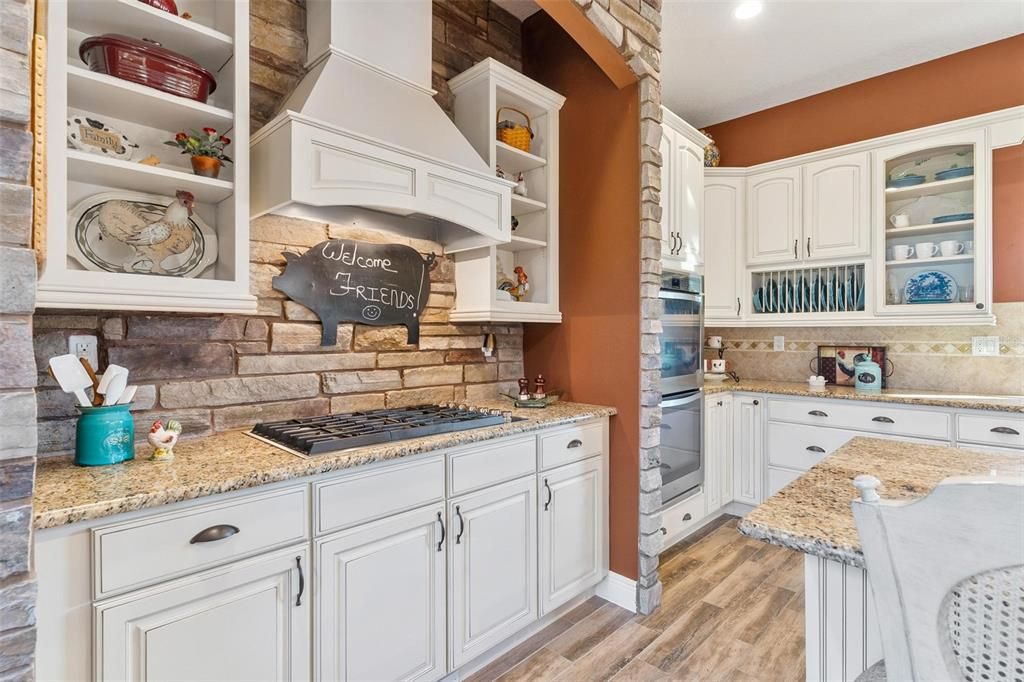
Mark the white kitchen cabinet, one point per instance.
(773, 216)
(682, 193)
(748, 449)
(492, 541)
(723, 232)
(837, 207)
(573, 530)
(246, 621)
(718, 455)
(381, 599)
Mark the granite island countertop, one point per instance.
(903, 396)
(813, 513)
(65, 493)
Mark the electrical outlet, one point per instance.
(85, 346)
(780, 343)
(984, 345)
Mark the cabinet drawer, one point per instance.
(136, 553)
(348, 500)
(800, 447)
(571, 445)
(681, 518)
(871, 417)
(1004, 430)
(478, 467)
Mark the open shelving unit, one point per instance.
(923, 204)
(479, 93)
(217, 37)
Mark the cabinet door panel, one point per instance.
(668, 199)
(748, 450)
(573, 531)
(723, 218)
(773, 216)
(837, 206)
(713, 468)
(238, 622)
(493, 579)
(688, 192)
(381, 600)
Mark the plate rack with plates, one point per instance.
(824, 289)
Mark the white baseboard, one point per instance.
(740, 509)
(619, 590)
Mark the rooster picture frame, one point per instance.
(119, 248)
(835, 363)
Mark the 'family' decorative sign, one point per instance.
(346, 281)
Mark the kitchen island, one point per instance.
(813, 515)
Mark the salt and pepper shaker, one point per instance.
(538, 387)
(524, 388)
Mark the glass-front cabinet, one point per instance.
(932, 225)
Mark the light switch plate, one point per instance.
(85, 346)
(984, 345)
(780, 343)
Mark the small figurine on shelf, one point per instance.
(523, 284)
(163, 440)
(498, 172)
(524, 388)
(515, 223)
(520, 187)
(538, 387)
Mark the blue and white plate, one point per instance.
(953, 217)
(906, 181)
(931, 286)
(951, 173)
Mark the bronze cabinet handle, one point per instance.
(664, 531)
(687, 516)
(547, 504)
(882, 420)
(1005, 429)
(737, 306)
(441, 541)
(462, 526)
(575, 443)
(817, 413)
(221, 531)
(815, 448)
(796, 245)
(302, 581)
(808, 247)
(757, 402)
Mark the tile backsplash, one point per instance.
(933, 358)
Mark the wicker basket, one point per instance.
(514, 135)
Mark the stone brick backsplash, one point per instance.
(220, 372)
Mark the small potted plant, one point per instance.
(205, 148)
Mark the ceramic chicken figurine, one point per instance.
(523, 284)
(163, 439)
(154, 242)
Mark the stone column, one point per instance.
(634, 27)
(17, 365)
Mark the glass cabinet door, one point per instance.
(931, 221)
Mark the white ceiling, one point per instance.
(716, 68)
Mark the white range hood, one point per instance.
(362, 129)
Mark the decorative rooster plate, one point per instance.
(141, 233)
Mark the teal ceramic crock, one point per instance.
(104, 435)
(868, 376)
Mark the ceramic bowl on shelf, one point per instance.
(906, 181)
(955, 172)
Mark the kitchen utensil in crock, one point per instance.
(108, 375)
(97, 399)
(115, 388)
(71, 376)
(128, 395)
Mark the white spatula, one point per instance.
(108, 374)
(71, 376)
(126, 397)
(115, 388)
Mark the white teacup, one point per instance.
(900, 220)
(969, 247)
(718, 366)
(902, 252)
(714, 342)
(925, 250)
(951, 248)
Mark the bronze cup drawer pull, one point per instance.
(575, 443)
(883, 420)
(1005, 429)
(815, 448)
(302, 581)
(817, 413)
(221, 531)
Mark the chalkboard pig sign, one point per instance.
(347, 281)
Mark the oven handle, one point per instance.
(679, 402)
(679, 295)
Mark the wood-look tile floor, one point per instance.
(732, 610)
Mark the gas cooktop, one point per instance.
(318, 435)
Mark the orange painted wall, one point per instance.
(593, 356)
(975, 81)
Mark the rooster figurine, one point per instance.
(163, 439)
(152, 242)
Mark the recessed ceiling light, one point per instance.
(748, 9)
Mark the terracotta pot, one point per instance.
(207, 166)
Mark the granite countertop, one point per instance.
(904, 396)
(813, 514)
(66, 493)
